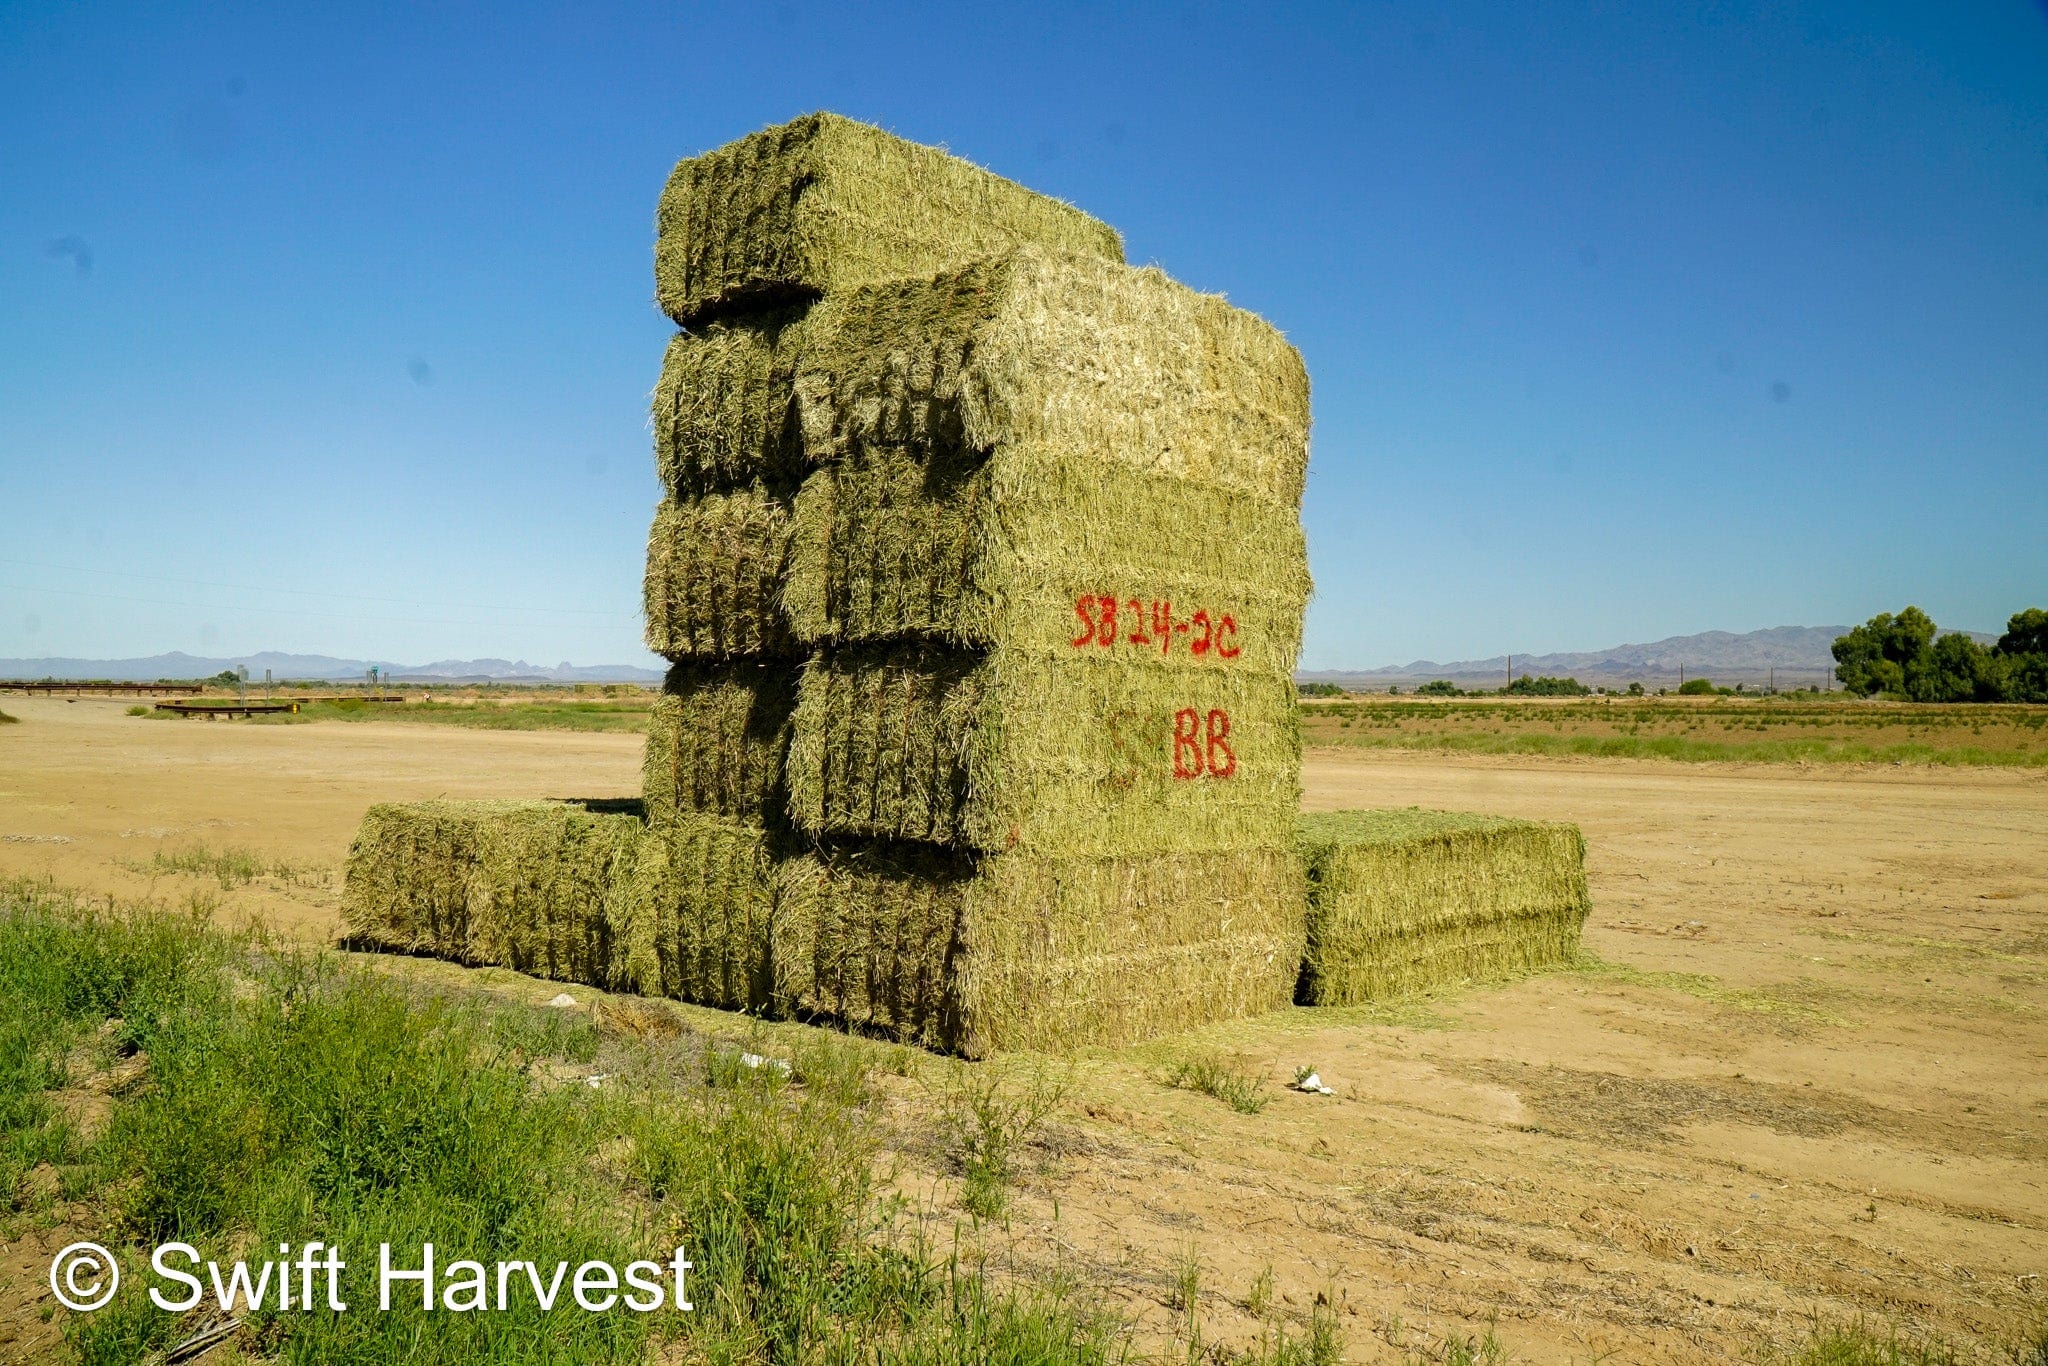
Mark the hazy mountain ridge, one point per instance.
(178, 664)
(1802, 654)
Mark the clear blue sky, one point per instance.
(1623, 321)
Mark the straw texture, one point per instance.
(1406, 900)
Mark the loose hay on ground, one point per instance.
(1017, 951)
(1406, 900)
(823, 203)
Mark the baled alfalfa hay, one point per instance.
(696, 902)
(724, 410)
(1407, 900)
(714, 576)
(823, 203)
(1086, 757)
(1020, 447)
(523, 885)
(1016, 951)
(717, 740)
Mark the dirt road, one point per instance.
(1807, 1078)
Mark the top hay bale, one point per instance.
(1006, 447)
(823, 203)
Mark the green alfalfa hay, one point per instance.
(715, 567)
(523, 885)
(823, 203)
(694, 912)
(1085, 756)
(1014, 951)
(865, 935)
(1020, 548)
(717, 741)
(1099, 363)
(724, 409)
(408, 877)
(1408, 900)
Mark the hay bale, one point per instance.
(714, 576)
(1406, 900)
(1085, 359)
(1085, 757)
(724, 410)
(823, 203)
(523, 885)
(694, 913)
(1024, 548)
(1018, 951)
(716, 742)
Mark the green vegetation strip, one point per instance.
(277, 1100)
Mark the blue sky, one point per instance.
(329, 329)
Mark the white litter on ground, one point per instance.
(564, 1001)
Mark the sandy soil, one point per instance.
(1811, 1081)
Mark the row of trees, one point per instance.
(1906, 656)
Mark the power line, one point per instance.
(283, 611)
(308, 593)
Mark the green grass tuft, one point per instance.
(1228, 1079)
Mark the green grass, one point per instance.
(289, 1098)
(985, 1123)
(1221, 1076)
(629, 716)
(489, 713)
(1724, 730)
(232, 867)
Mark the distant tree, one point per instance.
(1319, 690)
(227, 678)
(1873, 658)
(1635, 690)
(2023, 655)
(1956, 669)
(1440, 687)
(1697, 687)
(1546, 686)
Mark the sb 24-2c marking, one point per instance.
(1102, 625)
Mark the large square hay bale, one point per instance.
(696, 904)
(823, 203)
(1087, 757)
(1406, 900)
(724, 410)
(1008, 443)
(714, 576)
(1019, 951)
(717, 740)
(523, 885)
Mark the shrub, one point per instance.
(1697, 687)
(1440, 687)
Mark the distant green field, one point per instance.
(485, 713)
(1709, 730)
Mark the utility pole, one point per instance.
(1681, 678)
(1774, 678)
(1508, 679)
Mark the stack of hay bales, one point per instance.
(754, 239)
(980, 569)
(1406, 900)
(1052, 565)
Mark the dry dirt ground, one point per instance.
(1805, 1080)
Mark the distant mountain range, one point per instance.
(324, 668)
(1799, 654)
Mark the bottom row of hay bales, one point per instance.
(968, 955)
